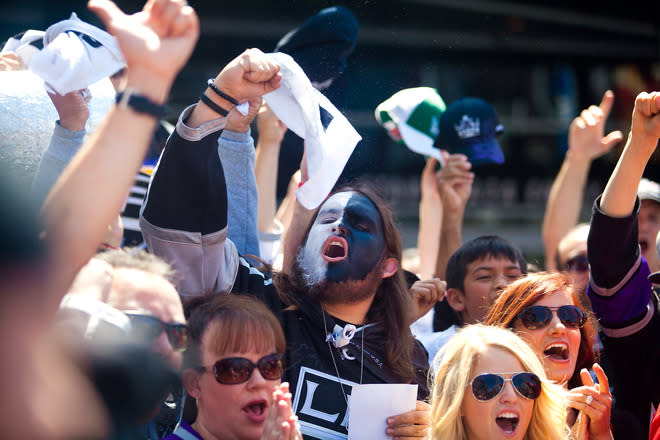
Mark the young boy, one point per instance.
(476, 273)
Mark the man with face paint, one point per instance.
(345, 243)
(341, 297)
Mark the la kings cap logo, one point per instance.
(468, 127)
(319, 404)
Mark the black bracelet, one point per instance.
(140, 103)
(212, 105)
(219, 92)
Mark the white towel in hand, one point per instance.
(329, 137)
(75, 55)
(25, 45)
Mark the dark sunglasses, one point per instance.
(537, 317)
(148, 328)
(579, 263)
(232, 371)
(488, 386)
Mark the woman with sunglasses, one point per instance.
(490, 385)
(544, 310)
(232, 373)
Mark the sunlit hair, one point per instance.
(454, 370)
(391, 304)
(239, 323)
(526, 292)
(139, 259)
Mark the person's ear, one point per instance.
(456, 299)
(191, 382)
(390, 267)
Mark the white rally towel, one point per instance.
(75, 55)
(26, 45)
(329, 137)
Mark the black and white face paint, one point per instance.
(345, 242)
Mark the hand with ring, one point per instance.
(594, 401)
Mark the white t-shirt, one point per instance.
(433, 342)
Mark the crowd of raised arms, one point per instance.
(231, 317)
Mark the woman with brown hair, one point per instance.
(233, 373)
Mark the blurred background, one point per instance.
(538, 62)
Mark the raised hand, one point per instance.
(271, 129)
(455, 183)
(240, 123)
(249, 75)
(646, 117)
(281, 423)
(586, 134)
(11, 61)
(594, 401)
(425, 293)
(428, 182)
(620, 193)
(156, 42)
(72, 109)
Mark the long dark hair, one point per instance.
(392, 302)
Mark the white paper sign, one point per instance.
(372, 404)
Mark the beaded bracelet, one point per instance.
(220, 93)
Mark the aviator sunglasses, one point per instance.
(488, 386)
(537, 317)
(148, 328)
(232, 371)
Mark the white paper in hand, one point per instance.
(372, 404)
(329, 137)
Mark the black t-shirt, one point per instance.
(317, 372)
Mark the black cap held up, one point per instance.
(322, 43)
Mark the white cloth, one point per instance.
(329, 138)
(25, 47)
(75, 55)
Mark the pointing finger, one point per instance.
(603, 381)
(606, 103)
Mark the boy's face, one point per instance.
(484, 279)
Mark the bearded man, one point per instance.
(341, 296)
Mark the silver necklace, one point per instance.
(332, 356)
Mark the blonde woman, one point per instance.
(545, 311)
(490, 384)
